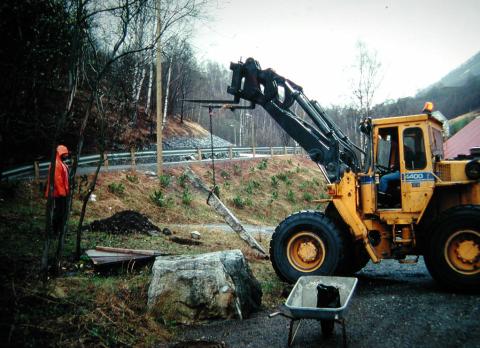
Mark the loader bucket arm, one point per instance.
(325, 143)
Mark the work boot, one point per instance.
(384, 200)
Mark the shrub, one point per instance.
(238, 202)
(187, 197)
(224, 174)
(117, 188)
(165, 180)
(132, 178)
(291, 196)
(274, 195)
(248, 202)
(159, 199)
(263, 164)
(251, 185)
(282, 176)
(182, 180)
(307, 196)
(237, 170)
(274, 181)
(288, 182)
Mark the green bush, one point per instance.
(291, 196)
(187, 197)
(251, 186)
(274, 195)
(132, 178)
(274, 181)
(165, 180)
(182, 180)
(224, 174)
(288, 182)
(307, 196)
(263, 164)
(238, 202)
(117, 188)
(282, 176)
(159, 199)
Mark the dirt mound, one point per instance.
(125, 222)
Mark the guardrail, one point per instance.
(38, 169)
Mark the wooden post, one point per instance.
(105, 161)
(159, 94)
(199, 154)
(230, 152)
(36, 168)
(271, 151)
(132, 155)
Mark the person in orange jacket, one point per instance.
(61, 188)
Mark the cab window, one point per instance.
(414, 148)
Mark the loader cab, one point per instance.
(403, 163)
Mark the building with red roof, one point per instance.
(462, 141)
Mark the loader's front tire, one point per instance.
(452, 254)
(355, 255)
(305, 243)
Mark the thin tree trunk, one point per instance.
(78, 249)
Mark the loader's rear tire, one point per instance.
(452, 253)
(355, 255)
(305, 243)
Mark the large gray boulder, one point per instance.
(192, 288)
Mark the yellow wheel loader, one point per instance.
(392, 198)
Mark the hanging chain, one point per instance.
(214, 188)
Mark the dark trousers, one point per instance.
(59, 214)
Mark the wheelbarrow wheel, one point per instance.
(327, 327)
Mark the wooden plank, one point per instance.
(104, 257)
(129, 251)
(227, 215)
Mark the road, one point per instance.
(394, 305)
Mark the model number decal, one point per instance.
(416, 177)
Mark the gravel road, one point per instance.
(394, 305)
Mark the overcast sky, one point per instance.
(312, 42)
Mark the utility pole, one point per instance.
(159, 95)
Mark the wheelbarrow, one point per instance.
(302, 304)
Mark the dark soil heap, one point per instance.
(125, 222)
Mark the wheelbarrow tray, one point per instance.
(302, 301)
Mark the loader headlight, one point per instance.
(472, 170)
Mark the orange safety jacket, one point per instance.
(61, 186)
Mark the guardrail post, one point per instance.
(253, 151)
(285, 150)
(105, 161)
(132, 155)
(271, 151)
(295, 149)
(199, 154)
(36, 168)
(230, 152)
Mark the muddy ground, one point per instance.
(394, 305)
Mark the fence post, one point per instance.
(253, 151)
(285, 150)
(132, 155)
(295, 149)
(271, 151)
(199, 154)
(230, 152)
(105, 161)
(36, 168)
